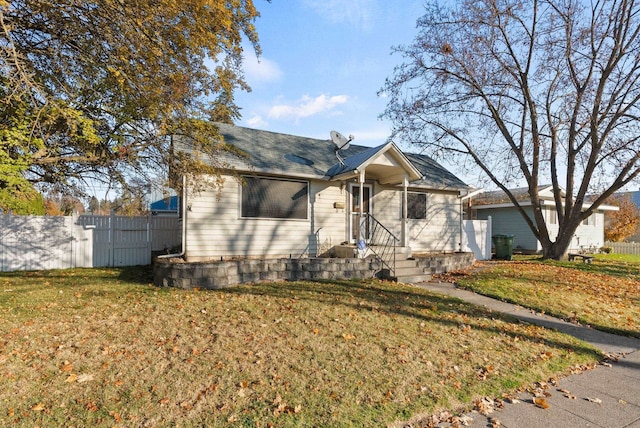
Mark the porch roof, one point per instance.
(386, 163)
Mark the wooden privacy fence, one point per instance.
(624, 247)
(34, 242)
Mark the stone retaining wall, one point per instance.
(443, 263)
(220, 274)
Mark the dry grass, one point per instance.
(604, 294)
(102, 347)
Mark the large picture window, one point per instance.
(273, 198)
(417, 206)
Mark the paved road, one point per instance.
(606, 397)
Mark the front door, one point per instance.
(355, 206)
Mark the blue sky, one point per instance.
(322, 64)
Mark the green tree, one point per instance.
(95, 88)
(528, 91)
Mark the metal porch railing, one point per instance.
(381, 242)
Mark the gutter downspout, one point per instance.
(184, 223)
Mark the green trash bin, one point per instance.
(504, 246)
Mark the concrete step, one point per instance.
(402, 253)
(406, 263)
(412, 279)
(409, 271)
(413, 274)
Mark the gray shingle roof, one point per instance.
(290, 155)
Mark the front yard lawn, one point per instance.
(103, 347)
(604, 294)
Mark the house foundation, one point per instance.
(220, 274)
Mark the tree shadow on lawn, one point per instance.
(612, 268)
(137, 274)
(391, 299)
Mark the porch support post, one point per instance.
(361, 210)
(405, 200)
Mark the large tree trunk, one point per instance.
(556, 251)
(559, 249)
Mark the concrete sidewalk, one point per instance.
(608, 396)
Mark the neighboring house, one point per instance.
(165, 207)
(299, 197)
(507, 220)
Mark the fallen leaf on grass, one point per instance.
(66, 366)
(541, 402)
(116, 416)
(38, 407)
(347, 336)
(92, 406)
(85, 378)
(282, 407)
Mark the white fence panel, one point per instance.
(624, 247)
(476, 238)
(35, 243)
(42, 242)
(101, 238)
(129, 241)
(166, 233)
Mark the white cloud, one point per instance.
(256, 121)
(260, 70)
(353, 12)
(307, 106)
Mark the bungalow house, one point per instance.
(507, 220)
(293, 197)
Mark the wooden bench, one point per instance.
(585, 257)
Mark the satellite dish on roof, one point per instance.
(341, 142)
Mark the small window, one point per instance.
(417, 206)
(553, 216)
(273, 198)
(590, 221)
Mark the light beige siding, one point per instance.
(215, 228)
(386, 208)
(440, 231)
